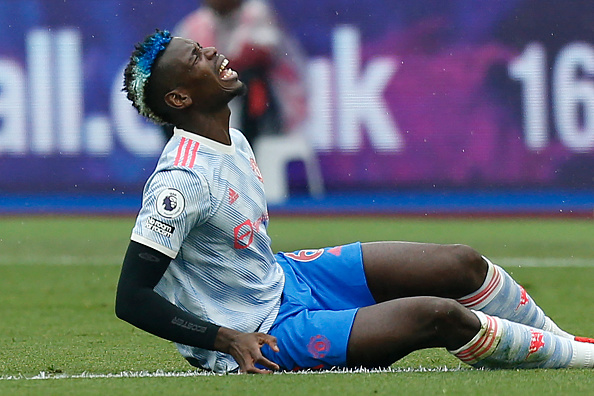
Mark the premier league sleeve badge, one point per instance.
(170, 203)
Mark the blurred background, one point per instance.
(424, 107)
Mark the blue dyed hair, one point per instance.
(139, 70)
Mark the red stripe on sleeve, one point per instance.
(179, 151)
(186, 156)
(194, 151)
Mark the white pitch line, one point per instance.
(61, 260)
(162, 374)
(124, 374)
(546, 262)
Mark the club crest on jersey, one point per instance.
(233, 196)
(170, 203)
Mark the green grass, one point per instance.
(58, 277)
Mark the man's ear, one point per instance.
(178, 99)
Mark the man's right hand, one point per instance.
(246, 349)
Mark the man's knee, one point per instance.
(443, 313)
(450, 323)
(434, 314)
(468, 264)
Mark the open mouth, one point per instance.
(226, 73)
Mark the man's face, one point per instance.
(202, 72)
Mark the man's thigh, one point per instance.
(408, 269)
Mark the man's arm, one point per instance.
(138, 304)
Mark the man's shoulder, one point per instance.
(238, 139)
(236, 134)
(179, 164)
(184, 153)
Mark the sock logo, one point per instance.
(536, 342)
(523, 298)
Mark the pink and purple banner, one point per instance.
(419, 94)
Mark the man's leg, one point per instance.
(383, 333)
(402, 269)
(501, 296)
(504, 344)
(388, 331)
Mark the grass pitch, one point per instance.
(59, 335)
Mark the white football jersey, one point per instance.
(204, 207)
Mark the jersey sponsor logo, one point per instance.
(170, 203)
(318, 346)
(256, 170)
(160, 227)
(186, 153)
(536, 342)
(244, 233)
(233, 196)
(305, 255)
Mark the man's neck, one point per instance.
(211, 126)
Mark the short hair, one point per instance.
(139, 70)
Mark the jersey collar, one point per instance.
(223, 148)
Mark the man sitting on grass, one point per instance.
(200, 271)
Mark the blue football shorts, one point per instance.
(324, 288)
